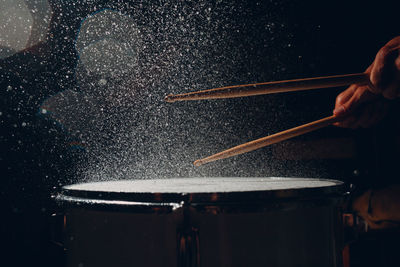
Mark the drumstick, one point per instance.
(272, 87)
(268, 140)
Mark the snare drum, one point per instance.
(204, 222)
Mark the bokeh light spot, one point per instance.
(23, 24)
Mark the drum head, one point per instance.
(203, 190)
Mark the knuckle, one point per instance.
(358, 94)
(376, 79)
(394, 41)
(384, 52)
(397, 63)
(339, 99)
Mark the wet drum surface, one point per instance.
(204, 185)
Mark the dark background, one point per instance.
(325, 37)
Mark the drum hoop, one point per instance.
(116, 205)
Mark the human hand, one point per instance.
(364, 105)
(358, 107)
(385, 70)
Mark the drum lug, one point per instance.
(354, 226)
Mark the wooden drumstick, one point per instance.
(272, 87)
(269, 140)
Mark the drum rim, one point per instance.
(276, 195)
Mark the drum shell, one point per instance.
(289, 232)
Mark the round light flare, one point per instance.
(108, 57)
(108, 45)
(23, 24)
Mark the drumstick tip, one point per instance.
(198, 163)
(169, 98)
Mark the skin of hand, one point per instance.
(365, 105)
(379, 208)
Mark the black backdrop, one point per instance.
(332, 37)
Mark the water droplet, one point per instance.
(102, 82)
